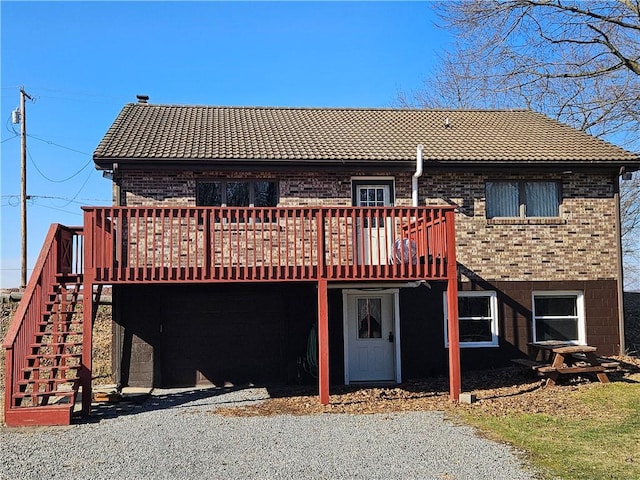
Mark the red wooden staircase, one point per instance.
(44, 344)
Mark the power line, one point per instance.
(59, 198)
(10, 130)
(80, 200)
(56, 208)
(57, 144)
(83, 100)
(84, 97)
(51, 179)
(79, 94)
(79, 190)
(10, 138)
(50, 142)
(68, 200)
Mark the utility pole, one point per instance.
(23, 184)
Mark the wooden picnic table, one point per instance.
(552, 359)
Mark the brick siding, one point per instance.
(580, 244)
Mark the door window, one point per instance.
(369, 318)
(372, 196)
(372, 193)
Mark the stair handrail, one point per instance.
(29, 310)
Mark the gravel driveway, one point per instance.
(174, 434)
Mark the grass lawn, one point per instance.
(599, 439)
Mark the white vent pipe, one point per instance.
(416, 176)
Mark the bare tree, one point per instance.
(576, 61)
(630, 213)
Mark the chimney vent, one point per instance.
(143, 98)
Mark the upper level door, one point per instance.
(374, 235)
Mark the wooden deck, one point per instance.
(202, 244)
(226, 244)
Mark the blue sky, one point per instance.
(82, 61)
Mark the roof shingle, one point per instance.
(171, 132)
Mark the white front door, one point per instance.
(371, 344)
(373, 236)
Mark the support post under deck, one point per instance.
(87, 343)
(455, 380)
(87, 315)
(323, 342)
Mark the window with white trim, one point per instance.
(558, 316)
(477, 319)
(517, 198)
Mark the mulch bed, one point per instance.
(498, 392)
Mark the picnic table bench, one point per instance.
(553, 359)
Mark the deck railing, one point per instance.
(61, 256)
(165, 244)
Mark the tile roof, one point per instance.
(171, 132)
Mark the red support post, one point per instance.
(87, 316)
(10, 383)
(323, 341)
(455, 381)
(87, 346)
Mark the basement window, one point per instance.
(477, 319)
(558, 316)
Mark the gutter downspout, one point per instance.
(620, 268)
(416, 176)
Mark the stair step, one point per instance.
(41, 381)
(45, 323)
(50, 306)
(57, 414)
(57, 363)
(51, 313)
(53, 331)
(69, 277)
(56, 333)
(48, 311)
(53, 356)
(62, 328)
(58, 339)
(50, 319)
(51, 393)
(60, 316)
(55, 299)
(56, 344)
(47, 368)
